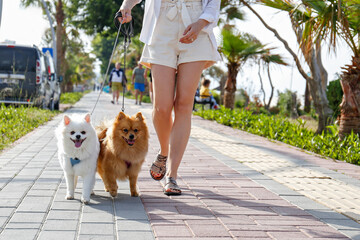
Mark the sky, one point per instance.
(27, 26)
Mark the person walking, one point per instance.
(117, 81)
(139, 82)
(179, 41)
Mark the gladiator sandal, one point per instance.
(171, 187)
(158, 168)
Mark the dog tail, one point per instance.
(101, 131)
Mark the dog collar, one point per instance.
(74, 161)
(128, 164)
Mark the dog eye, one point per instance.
(125, 130)
(83, 132)
(135, 130)
(72, 132)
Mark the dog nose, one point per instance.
(78, 136)
(131, 136)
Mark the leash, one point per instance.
(128, 33)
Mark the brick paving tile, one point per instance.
(249, 234)
(321, 232)
(287, 235)
(197, 238)
(209, 230)
(179, 231)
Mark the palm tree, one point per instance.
(312, 53)
(330, 19)
(268, 58)
(237, 48)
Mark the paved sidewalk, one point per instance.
(235, 186)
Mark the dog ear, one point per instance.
(66, 120)
(87, 118)
(120, 116)
(139, 116)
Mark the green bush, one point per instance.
(16, 122)
(334, 94)
(279, 128)
(71, 97)
(285, 101)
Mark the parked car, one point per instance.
(52, 85)
(25, 77)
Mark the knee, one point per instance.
(183, 107)
(162, 111)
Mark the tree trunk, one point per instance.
(350, 105)
(318, 81)
(307, 100)
(267, 106)
(60, 34)
(222, 89)
(230, 85)
(318, 87)
(262, 85)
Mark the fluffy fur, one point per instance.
(77, 140)
(123, 147)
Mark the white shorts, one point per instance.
(165, 48)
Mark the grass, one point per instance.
(71, 97)
(15, 122)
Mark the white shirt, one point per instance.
(211, 12)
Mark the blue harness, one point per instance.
(74, 161)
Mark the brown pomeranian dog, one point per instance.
(123, 147)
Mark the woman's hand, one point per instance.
(192, 31)
(126, 15)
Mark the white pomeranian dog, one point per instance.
(78, 150)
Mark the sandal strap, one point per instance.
(171, 183)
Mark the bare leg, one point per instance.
(164, 84)
(141, 95)
(136, 96)
(117, 95)
(187, 81)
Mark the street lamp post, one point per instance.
(51, 27)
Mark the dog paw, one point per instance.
(69, 197)
(134, 194)
(85, 201)
(113, 193)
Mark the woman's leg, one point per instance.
(163, 96)
(188, 78)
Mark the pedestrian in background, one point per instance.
(117, 81)
(139, 82)
(179, 41)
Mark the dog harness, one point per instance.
(128, 164)
(74, 161)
